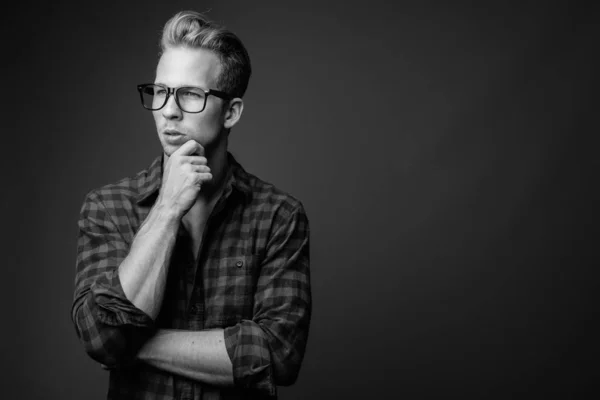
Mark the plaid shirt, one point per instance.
(252, 280)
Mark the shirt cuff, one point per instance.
(114, 308)
(248, 351)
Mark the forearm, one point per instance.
(198, 355)
(143, 273)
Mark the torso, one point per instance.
(195, 222)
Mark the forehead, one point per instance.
(181, 66)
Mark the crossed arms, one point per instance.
(119, 288)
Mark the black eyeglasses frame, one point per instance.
(173, 91)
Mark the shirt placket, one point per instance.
(195, 282)
(184, 388)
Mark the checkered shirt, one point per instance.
(252, 280)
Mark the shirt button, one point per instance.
(239, 263)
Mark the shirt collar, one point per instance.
(150, 180)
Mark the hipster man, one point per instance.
(193, 275)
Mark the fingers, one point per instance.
(199, 168)
(203, 177)
(194, 160)
(199, 173)
(191, 147)
(187, 160)
(191, 152)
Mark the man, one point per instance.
(193, 276)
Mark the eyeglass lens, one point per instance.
(189, 99)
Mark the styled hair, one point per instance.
(193, 30)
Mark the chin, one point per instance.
(169, 149)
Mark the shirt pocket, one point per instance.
(229, 290)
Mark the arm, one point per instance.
(198, 355)
(143, 273)
(108, 325)
(263, 352)
(268, 350)
(119, 289)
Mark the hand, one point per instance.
(183, 176)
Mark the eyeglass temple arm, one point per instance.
(220, 94)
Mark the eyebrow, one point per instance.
(164, 84)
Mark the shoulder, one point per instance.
(126, 188)
(127, 191)
(277, 217)
(270, 200)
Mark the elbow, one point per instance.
(108, 345)
(286, 379)
(263, 356)
(286, 371)
(109, 351)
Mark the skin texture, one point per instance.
(195, 148)
(185, 67)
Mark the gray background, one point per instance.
(445, 154)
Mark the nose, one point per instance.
(171, 110)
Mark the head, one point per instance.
(197, 52)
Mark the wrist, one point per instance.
(167, 213)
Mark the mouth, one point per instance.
(172, 132)
(173, 137)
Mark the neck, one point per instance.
(219, 167)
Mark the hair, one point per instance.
(192, 29)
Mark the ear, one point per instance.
(233, 112)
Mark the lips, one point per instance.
(173, 137)
(172, 132)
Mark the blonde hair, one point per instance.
(192, 29)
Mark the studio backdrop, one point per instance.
(444, 152)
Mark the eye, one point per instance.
(191, 94)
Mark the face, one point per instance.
(189, 67)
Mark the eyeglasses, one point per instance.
(190, 99)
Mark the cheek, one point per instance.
(156, 116)
(209, 121)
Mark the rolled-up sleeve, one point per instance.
(268, 350)
(109, 326)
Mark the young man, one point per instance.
(193, 276)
